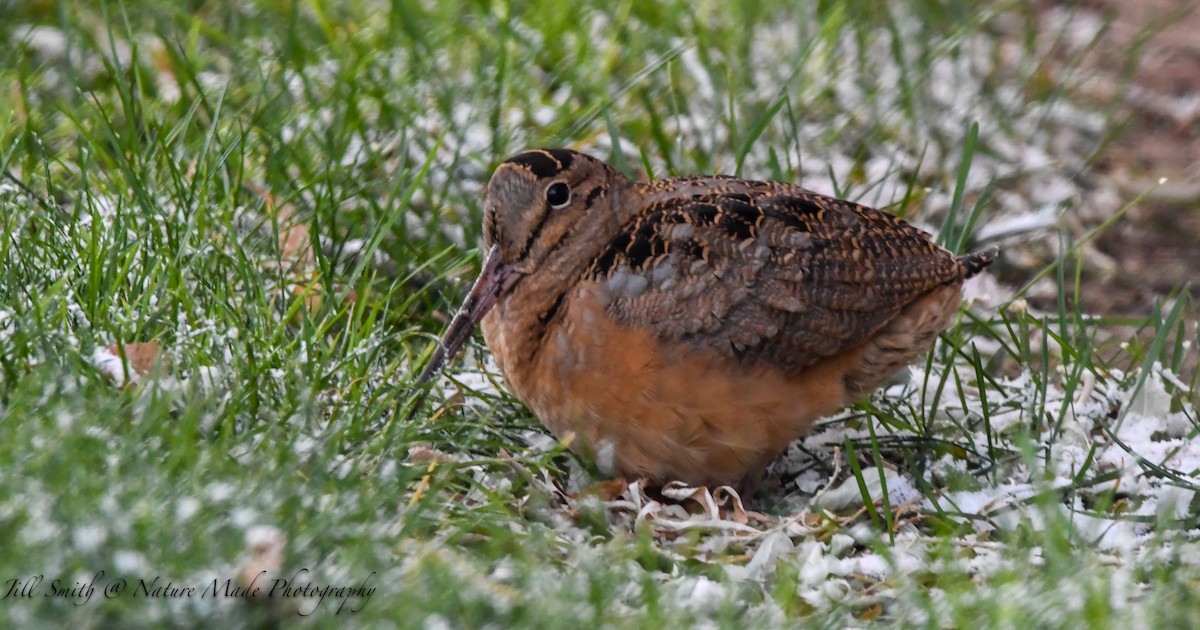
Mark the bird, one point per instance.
(689, 328)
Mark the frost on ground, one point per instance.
(856, 133)
(1112, 455)
(1118, 468)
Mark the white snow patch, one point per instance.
(700, 594)
(89, 538)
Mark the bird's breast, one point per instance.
(641, 406)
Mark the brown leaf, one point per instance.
(126, 364)
(608, 490)
(261, 566)
(726, 496)
(141, 358)
(871, 613)
(264, 558)
(295, 250)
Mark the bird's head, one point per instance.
(549, 211)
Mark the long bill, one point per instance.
(494, 278)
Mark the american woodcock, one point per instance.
(689, 328)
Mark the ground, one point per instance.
(1153, 250)
(232, 232)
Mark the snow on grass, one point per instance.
(997, 479)
(282, 433)
(1043, 488)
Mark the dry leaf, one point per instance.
(295, 248)
(424, 454)
(262, 565)
(727, 495)
(265, 546)
(608, 490)
(141, 357)
(679, 491)
(132, 360)
(871, 614)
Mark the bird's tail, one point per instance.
(972, 264)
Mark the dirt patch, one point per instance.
(1155, 248)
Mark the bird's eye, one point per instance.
(558, 195)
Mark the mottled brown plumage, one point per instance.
(689, 328)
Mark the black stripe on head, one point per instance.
(593, 196)
(564, 157)
(544, 163)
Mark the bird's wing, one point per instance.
(771, 274)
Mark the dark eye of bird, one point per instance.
(558, 195)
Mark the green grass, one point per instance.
(168, 147)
